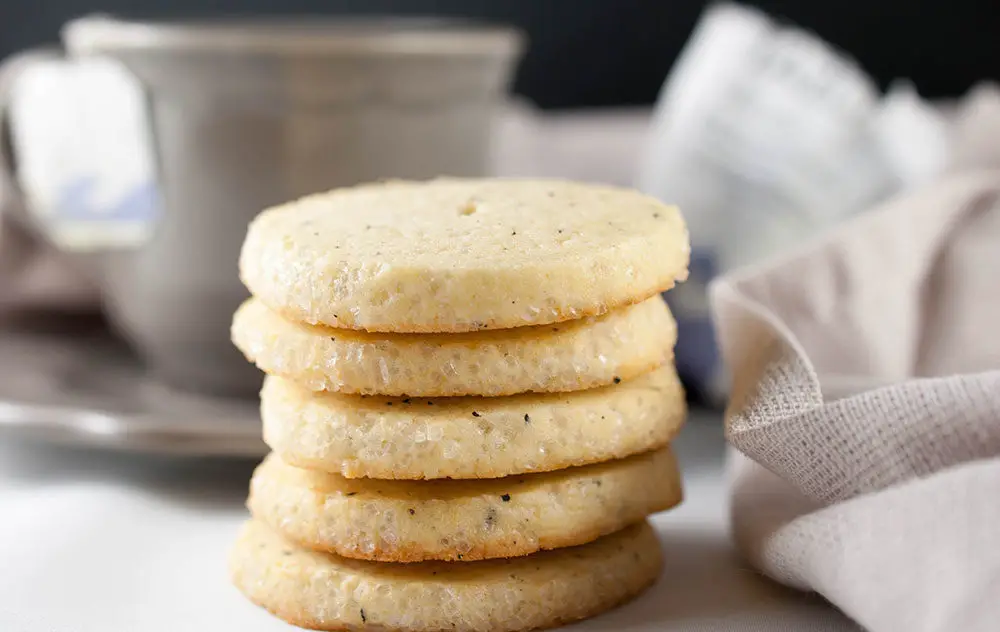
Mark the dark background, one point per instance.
(617, 52)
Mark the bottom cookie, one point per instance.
(321, 591)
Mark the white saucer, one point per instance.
(77, 385)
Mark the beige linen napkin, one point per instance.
(865, 405)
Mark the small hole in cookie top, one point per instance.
(469, 208)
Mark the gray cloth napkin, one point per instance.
(865, 404)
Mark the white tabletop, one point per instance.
(102, 542)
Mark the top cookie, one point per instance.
(452, 255)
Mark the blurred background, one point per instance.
(137, 149)
(597, 53)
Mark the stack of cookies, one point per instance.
(470, 399)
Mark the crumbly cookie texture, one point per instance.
(453, 255)
(326, 592)
(571, 356)
(470, 437)
(461, 520)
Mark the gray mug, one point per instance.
(223, 120)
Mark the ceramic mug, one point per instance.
(148, 147)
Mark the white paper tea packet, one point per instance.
(765, 136)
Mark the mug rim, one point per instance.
(303, 34)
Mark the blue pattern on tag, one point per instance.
(75, 203)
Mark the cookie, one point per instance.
(412, 521)
(567, 356)
(322, 591)
(453, 255)
(470, 437)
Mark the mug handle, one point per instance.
(34, 274)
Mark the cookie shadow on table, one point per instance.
(705, 585)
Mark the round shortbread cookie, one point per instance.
(470, 437)
(452, 255)
(568, 356)
(322, 591)
(412, 521)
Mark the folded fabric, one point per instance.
(865, 410)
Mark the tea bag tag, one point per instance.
(81, 136)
